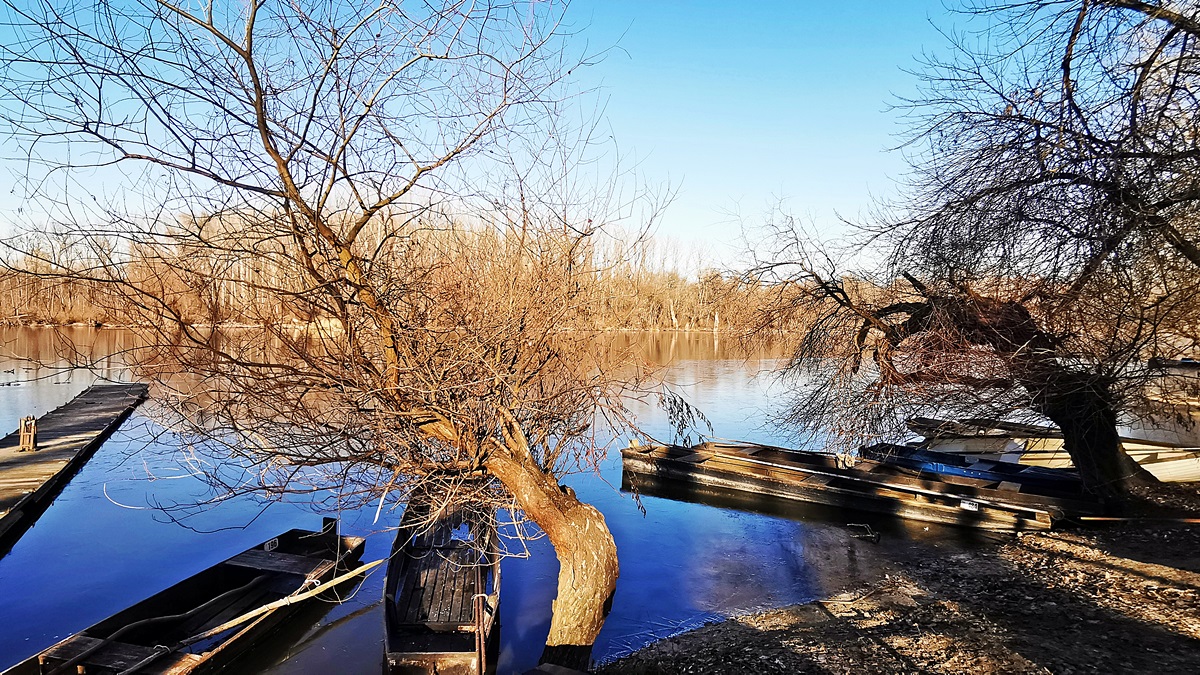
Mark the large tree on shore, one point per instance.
(395, 177)
(1045, 244)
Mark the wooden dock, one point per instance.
(66, 438)
(868, 485)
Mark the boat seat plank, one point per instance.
(404, 590)
(424, 571)
(465, 610)
(418, 609)
(460, 597)
(115, 655)
(460, 588)
(439, 588)
(429, 598)
(449, 582)
(729, 450)
(452, 578)
(446, 593)
(288, 563)
(407, 589)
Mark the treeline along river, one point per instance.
(129, 525)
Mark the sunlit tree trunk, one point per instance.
(587, 556)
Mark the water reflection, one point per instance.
(42, 368)
(99, 548)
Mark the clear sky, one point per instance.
(739, 104)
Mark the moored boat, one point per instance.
(931, 461)
(203, 623)
(1186, 362)
(991, 503)
(1042, 446)
(442, 596)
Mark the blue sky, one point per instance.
(739, 105)
(742, 104)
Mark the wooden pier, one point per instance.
(867, 485)
(66, 438)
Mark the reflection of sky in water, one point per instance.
(682, 563)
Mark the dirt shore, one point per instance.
(1119, 598)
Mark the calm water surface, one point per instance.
(103, 546)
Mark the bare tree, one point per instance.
(385, 192)
(1045, 247)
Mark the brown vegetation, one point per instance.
(632, 289)
(385, 194)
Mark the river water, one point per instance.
(104, 545)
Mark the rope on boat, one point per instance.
(253, 614)
(283, 602)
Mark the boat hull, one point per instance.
(1043, 447)
(293, 562)
(442, 595)
(867, 486)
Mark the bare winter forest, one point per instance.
(645, 285)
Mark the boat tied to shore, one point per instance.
(442, 595)
(1042, 446)
(205, 622)
(998, 497)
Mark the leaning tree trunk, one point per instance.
(587, 555)
(1081, 405)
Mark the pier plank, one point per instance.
(66, 438)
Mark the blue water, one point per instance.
(102, 545)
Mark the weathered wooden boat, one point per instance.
(202, 624)
(442, 596)
(861, 484)
(1037, 445)
(930, 461)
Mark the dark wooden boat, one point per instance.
(859, 484)
(442, 594)
(184, 629)
(928, 461)
(1185, 362)
(974, 427)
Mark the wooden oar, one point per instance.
(253, 614)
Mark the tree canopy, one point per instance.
(1043, 249)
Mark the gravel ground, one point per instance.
(1115, 599)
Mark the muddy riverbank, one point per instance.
(1123, 598)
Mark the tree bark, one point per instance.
(587, 555)
(1080, 404)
